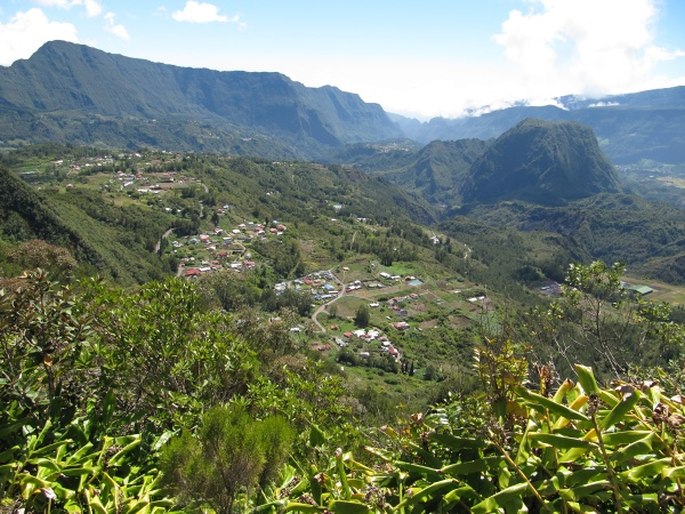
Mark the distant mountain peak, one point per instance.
(545, 162)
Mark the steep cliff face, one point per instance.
(549, 163)
(64, 86)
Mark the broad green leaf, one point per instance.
(80, 453)
(641, 447)
(541, 402)
(587, 379)
(624, 437)
(674, 473)
(470, 467)
(416, 494)
(316, 436)
(500, 499)
(620, 411)
(424, 471)
(303, 507)
(562, 442)
(118, 456)
(564, 388)
(650, 469)
(576, 405)
(348, 507)
(83, 470)
(582, 491)
(639, 501)
(464, 492)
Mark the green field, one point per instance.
(671, 293)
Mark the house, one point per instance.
(638, 290)
(401, 325)
(192, 272)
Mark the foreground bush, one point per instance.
(581, 449)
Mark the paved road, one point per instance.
(321, 308)
(164, 236)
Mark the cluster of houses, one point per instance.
(320, 283)
(397, 303)
(324, 285)
(222, 249)
(368, 336)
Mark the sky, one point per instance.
(421, 59)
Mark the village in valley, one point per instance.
(401, 302)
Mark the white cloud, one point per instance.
(115, 28)
(585, 46)
(92, 7)
(27, 31)
(200, 12)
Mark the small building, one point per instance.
(638, 290)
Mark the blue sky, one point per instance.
(428, 58)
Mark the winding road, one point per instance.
(164, 236)
(322, 307)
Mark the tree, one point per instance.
(362, 318)
(231, 454)
(597, 322)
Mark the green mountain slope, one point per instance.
(113, 241)
(435, 171)
(114, 226)
(649, 237)
(440, 169)
(541, 162)
(65, 90)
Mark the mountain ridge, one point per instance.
(77, 81)
(630, 127)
